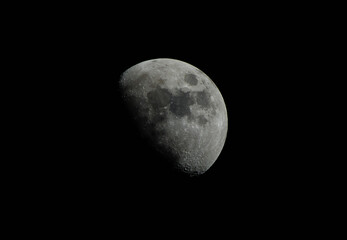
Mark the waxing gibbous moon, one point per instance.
(179, 110)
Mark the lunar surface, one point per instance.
(179, 110)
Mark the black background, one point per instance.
(94, 164)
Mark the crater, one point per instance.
(180, 104)
(202, 120)
(142, 78)
(191, 79)
(159, 98)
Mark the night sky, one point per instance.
(98, 160)
(248, 72)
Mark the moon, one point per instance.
(179, 110)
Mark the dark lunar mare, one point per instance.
(180, 104)
(191, 79)
(159, 98)
(203, 99)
